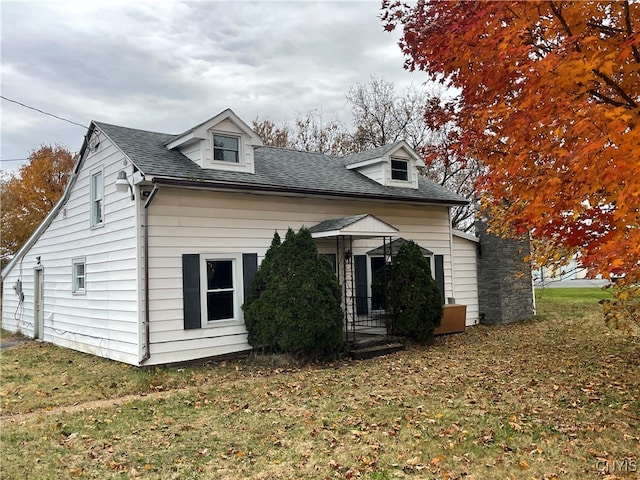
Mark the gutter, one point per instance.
(145, 247)
(178, 182)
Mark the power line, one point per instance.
(42, 111)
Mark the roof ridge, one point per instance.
(380, 147)
(370, 154)
(98, 123)
(299, 151)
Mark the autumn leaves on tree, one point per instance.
(29, 195)
(549, 103)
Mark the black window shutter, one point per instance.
(191, 290)
(439, 260)
(360, 274)
(249, 269)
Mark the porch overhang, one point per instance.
(358, 226)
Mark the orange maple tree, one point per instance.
(550, 103)
(30, 194)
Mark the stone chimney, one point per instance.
(505, 287)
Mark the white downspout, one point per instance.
(145, 247)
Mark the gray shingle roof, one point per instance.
(276, 169)
(336, 223)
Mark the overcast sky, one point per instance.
(167, 66)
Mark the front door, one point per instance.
(360, 281)
(38, 303)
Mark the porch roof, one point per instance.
(363, 226)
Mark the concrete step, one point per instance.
(366, 340)
(361, 352)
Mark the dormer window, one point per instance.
(399, 169)
(394, 165)
(226, 149)
(223, 143)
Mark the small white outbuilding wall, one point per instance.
(465, 274)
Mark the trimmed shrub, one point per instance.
(414, 295)
(260, 321)
(296, 301)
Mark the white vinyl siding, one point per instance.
(375, 172)
(193, 151)
(225, 223)
(104, 320)
(466, 276)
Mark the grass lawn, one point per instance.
(574, 294)
(553, 397)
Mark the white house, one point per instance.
(127, 274)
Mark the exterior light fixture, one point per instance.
(122, 184)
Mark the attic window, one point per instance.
(226, 149)
(399, 170)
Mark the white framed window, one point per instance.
(226, 148)
(221, 287)
(97, 193)
(78, 275)
(399, 169)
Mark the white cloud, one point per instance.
(166, 66)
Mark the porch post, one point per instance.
(388, 260)
(345, 259)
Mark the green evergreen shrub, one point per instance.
(296, 303)
(259, 321)
(414, 295)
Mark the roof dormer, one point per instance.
(394, 165)
(223, 142)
